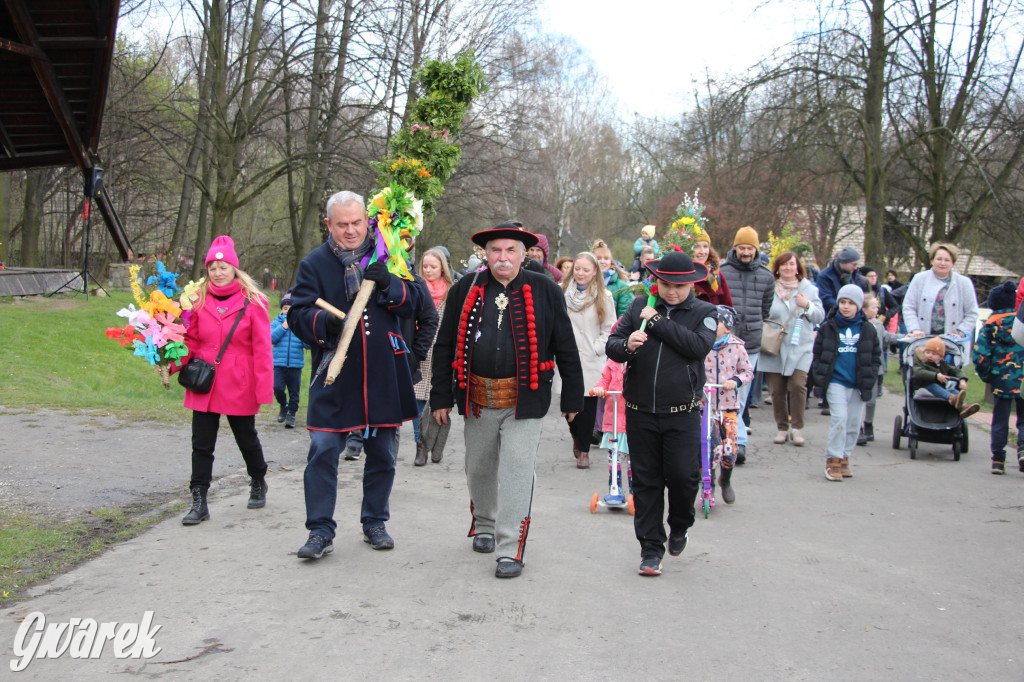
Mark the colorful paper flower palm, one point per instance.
(688, 223)
(156, 328)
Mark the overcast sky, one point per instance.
(651, 51)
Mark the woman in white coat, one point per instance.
(797, 306)
(592, 313)
(941, 301)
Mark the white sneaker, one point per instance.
(780, 438)
(798, 440)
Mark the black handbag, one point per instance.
(197, 374)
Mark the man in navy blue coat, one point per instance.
(378, 353)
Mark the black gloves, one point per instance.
(334, 324)
(378, 273)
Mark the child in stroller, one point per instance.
(933, 405)
(935, 375)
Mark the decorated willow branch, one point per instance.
(421, 158)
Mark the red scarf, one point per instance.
(438, 290)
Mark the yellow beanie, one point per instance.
(702, 237)
(747, 235)
(648, 231)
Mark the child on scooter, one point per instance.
(729, 365)
(614, 425)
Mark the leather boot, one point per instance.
(199, 511)
(421, 454)
(583, 462)
(725, 480)
(257, 493)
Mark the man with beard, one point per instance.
(753, 289)
(840, 272)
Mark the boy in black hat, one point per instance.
(664, 348)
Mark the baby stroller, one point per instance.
(927, 418)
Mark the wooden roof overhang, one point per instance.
(55, 58)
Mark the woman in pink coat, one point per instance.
(244, 379)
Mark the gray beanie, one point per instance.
(848, 255)
(852, 292)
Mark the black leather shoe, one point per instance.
(677, 543)
(483, 544)
(508, 568)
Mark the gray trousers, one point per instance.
(847, 408)
(500, 455)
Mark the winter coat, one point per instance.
(422, 388)
(960, 302)
(666, 373)
(722, 296)
(244, 379)
(289, 351)
(728, 361)
(375, 385)
(591, 336)
(792, 358)
(830, 282)
(998, 359)
(887, 340)
(925, 373)
(612, 378)
(621, 293)
(551, 336)
(752, 287)
(1018, 325)
(826, 352)
(640, 243)
(419, 333)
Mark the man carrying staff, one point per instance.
(503, 331)
(334, 272)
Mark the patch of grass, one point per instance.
(33, 549)
(57, 356)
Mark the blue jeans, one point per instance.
(940, 391)
(1001, 406)
(741, 395)
(420, 404)
(287, 378)
(321, 478)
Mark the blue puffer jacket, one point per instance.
(288, 349)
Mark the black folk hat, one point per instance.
(505, 231)
(677, 268)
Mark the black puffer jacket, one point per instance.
(753, 289)
(826, 352)
(667, 372)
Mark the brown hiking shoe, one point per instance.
(967, 410)
(833, 469)
(960, 397)
(844, 467)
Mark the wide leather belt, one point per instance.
(493, 393)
